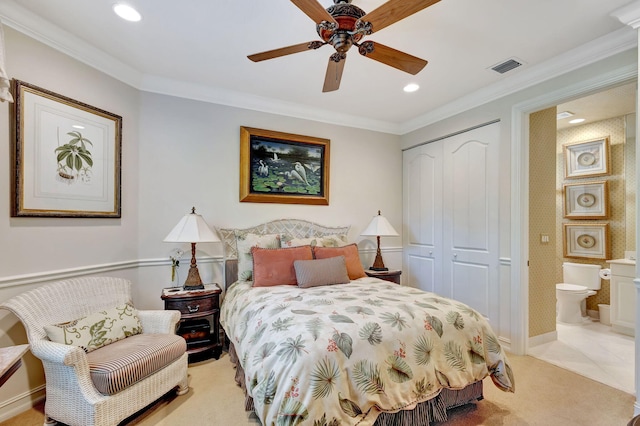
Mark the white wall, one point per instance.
(176, 154)
(190, 156)
(35, 248)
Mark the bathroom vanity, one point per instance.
(623, 296)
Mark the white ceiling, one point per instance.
(198, 49)
(614, 102)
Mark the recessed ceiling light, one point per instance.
(411, 87)
(126, 12)
(563, 114)
(576, 120)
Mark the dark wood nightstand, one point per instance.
(392, 276)
(199, 321)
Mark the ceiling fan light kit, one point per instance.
(344, 25)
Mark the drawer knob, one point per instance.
(193, 309)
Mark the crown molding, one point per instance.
(629, 14)
(616, 42)
(217, 95)
(22, 20)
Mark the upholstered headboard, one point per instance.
(295, 228)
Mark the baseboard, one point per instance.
(543, 338)
(505, 343)
(21, 403)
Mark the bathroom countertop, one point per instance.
(622, 261)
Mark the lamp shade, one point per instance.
(379, 227)
(192, 229)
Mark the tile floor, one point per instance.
(594, 351)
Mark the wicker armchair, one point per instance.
(71, 396)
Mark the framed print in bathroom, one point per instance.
(66, 157)
(586, 158)
(588, 200)
(278, 167)
(589, 241)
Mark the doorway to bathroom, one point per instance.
(591, 349)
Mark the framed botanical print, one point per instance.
(66, 157)
(590, 241)
(587, 200)
(586, 158)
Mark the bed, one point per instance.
(360, 353)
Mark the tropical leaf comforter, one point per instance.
(339, 355)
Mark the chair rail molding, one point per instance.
(61, 274)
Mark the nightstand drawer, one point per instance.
(199, 318)
(193, 306)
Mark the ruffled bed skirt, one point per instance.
(433, 410)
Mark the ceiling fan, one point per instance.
(344, 25)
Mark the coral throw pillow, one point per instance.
(275, 266)
(351, 256)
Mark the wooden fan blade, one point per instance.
(333, 76)
(283, 51)
(314, 10)
(392, 57)
(393, 11)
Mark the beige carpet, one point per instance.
(545, 395)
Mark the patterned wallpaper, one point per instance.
(542, 220)
(547, 164)
(615, 129)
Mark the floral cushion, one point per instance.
(325, 241)
(97, 330)
(245, 242)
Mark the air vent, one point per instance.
(564, 114)
(506, 66)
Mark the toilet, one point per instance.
(580, 281)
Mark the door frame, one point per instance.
(520, 190)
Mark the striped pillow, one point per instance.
(318, 272)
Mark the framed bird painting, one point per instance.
(278, 167)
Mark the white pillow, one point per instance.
(245, 242)
(324, 241)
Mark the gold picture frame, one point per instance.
(588, 241)
(586, 158)
(285, 168)
(588, 200)
(66, 156)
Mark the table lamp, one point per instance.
(379, 227)
(192, 229)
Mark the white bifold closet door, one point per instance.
(451, 218)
